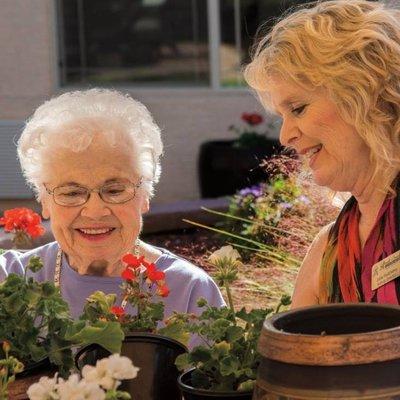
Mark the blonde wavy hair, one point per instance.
(351, 48)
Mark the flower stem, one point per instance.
(230, 300)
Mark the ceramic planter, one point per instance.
(155, 356)
(224, 169)
(191, 393)
(338, 351)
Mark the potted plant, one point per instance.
(153, 349)
(226, 166)
(36, 324)
(225, 366)
(24, 224)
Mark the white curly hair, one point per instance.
(72, 120)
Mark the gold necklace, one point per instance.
(57, 271)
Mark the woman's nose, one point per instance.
(289, 133)
(95, 207)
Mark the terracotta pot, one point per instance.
(17, 390)
(155, 356)
(191, 393)
(339, 351)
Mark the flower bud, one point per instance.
(6, 346)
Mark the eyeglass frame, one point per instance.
(97, 190)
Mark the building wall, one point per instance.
(187, 117)
(27, 48)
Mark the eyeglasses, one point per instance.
(113, 192)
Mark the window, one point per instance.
(239, 21)
(134, 41)
(160, 43)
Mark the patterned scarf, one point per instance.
(346, 269)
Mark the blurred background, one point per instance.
(181, 58)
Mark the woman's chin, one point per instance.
(325, 181)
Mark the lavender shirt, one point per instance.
(186, 282)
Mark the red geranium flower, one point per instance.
(128, 274)
(252, 118)
(117, 311)
(22, 219)
(154, 274)
(163, 291)
(132, 260)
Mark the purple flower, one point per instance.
(304, 199)
(285, 205)
(255, 191)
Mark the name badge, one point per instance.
(385, 270)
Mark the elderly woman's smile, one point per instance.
(95, 233)
(96, 229)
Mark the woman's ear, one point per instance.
(145, 205)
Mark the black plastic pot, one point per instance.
(155, 356)
(191, 393)
(224, 169)
(37, 368)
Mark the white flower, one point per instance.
(99, 375)
(226, 254)
(106, 374)
(74, 389)
(45, 389)
(121, 367)
(109, 371)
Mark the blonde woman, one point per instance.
(332, 72)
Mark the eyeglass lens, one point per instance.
(72, 195)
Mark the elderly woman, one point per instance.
(332, 72)
(92, 158)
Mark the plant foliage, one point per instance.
(36, 323)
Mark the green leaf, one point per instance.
(14, 303)
(234, 333)
(247, 385)
(35, 264)
(33, 296)
(229, 365)
(200, 354)
(37, 351)
(106, 334)
(183, 361)
(202, 302)
(104, 301)
(286, 300)
(48, 289)
(220, 349)
(176, 330)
